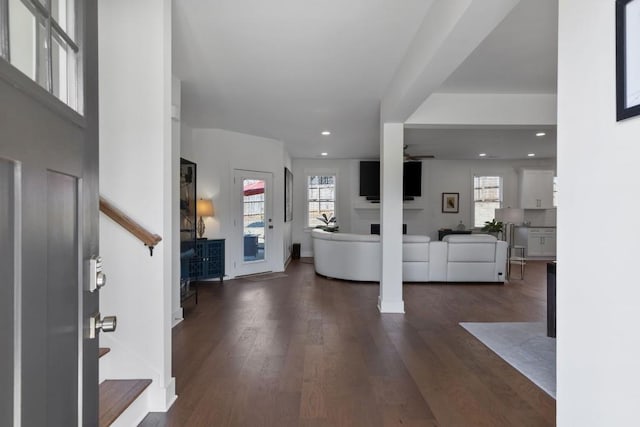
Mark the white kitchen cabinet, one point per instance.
(541, 242)
(536, 189)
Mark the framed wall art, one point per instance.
(288, 195)
(450, 202)
(627, 58)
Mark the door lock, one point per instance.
(106, 324)
(97, 278)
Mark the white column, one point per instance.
(135, 124)
(391, 143)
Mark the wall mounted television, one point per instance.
(370, 180)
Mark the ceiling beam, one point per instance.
(452, 29)
(486, 109)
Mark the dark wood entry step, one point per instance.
(102, 351)
(116, 396)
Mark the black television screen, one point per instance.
(412, 179)
(370, 178)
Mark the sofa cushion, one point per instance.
(414, 238)
(349, 237)
(415, 248)
(316, 233)
(471, 248)
(469, 238)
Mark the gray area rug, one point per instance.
(525, 346)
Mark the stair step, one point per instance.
(116, 396)
(102, 351)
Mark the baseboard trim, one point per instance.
(178, 316)
(161, 398)
(387, 306)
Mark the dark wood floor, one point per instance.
(304, 350)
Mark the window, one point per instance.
(321, 198)
(487, 197)
(38, 38)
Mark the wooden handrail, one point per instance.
(147, 237)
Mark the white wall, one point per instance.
(424, 216)
(598, 292)
(136, 174)
(217, 154)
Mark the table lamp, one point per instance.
(204, 207)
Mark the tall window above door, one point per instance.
(487, 197)
(321, 198)
(39, 38)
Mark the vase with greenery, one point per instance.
(493, 227)
(329, 223)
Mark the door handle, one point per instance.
(106, 324)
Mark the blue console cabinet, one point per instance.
(209, 259)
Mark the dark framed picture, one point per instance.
(627, 58)
(288, 195)
(450, 202)
(187, 200)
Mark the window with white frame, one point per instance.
(487, 197)
(39, 38)
(321, 198)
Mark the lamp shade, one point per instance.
(510, 215)
(204, 208)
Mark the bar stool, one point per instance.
(517, 257)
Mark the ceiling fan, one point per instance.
(408, 157)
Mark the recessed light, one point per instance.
(324, 154)
(326, 132)
(531, 155)
(482, 155)
(541, 134)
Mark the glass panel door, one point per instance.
(253, 219)
(255, 225)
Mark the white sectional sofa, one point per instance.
(458, 258)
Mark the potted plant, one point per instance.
(493, 227)
(329, 223)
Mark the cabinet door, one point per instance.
(535, 243)
(549, 245)
(549, 242)
(536, 189)
(534, 248)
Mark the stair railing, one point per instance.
(148, 238)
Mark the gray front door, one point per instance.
(48, 232)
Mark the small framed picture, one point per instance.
(627, 58)
(450, 202)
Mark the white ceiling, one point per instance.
(467, 143)
(287, 69)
